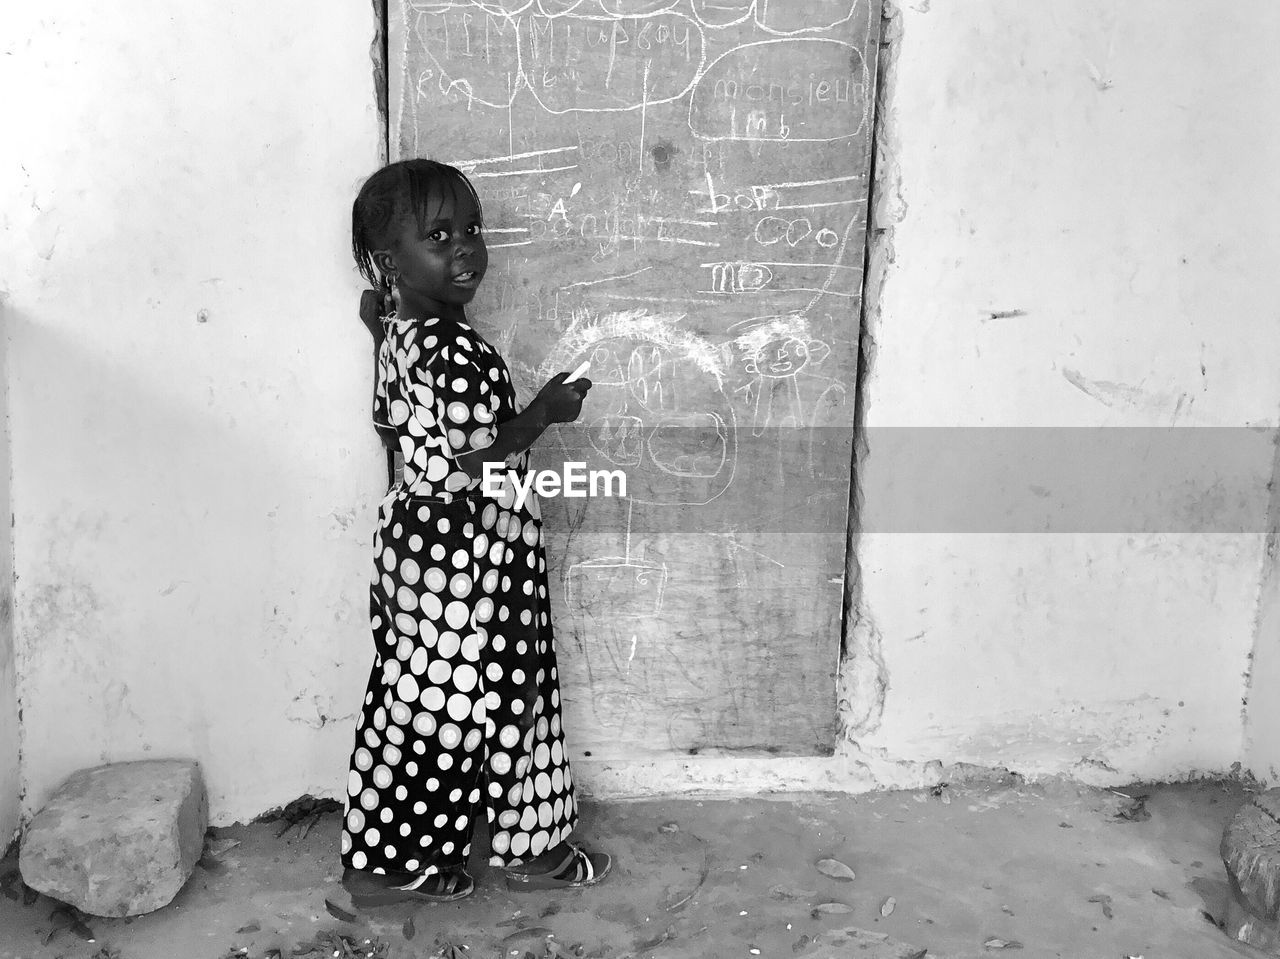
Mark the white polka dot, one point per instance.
(459, 706)
(500, 763)
(406, 624)
(363, 762)
(465, 678)
(407, 599)
(539, 842)
(424, 724)
(355, 820)
(443, 525)
(354, 782)
(435, 579)
(519, 844)
(410, 571)
(433, 698)
(391, 756)
(460, 585)
(407, 688)
(371, 836)
(415, 543)
(461, 559)
(456, 614)
(431, 605)
(439, 672)
(369, 799)
(359, 860)
(444, 761)
(438, 552)
(389, 559)
(391, 671)
(450, 736)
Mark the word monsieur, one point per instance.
(573, 481)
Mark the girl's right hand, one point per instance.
(563, 401)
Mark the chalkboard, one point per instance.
(676, 191)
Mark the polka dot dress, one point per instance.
(462, 710)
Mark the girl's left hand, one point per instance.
(563, 401)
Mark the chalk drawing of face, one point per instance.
(785, 356)
(662, 420)
(775, 350)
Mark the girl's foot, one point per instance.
(369, 890)
(575, 869)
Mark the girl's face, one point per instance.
(440, 266)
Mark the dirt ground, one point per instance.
(964, 871)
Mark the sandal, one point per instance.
(577, 869)
(369, 890)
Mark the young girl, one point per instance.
(462, 709)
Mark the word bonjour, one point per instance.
(574, 481)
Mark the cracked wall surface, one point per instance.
(10, 747)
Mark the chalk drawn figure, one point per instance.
(660, 413)
(776, 351)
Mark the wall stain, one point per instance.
(663, 153)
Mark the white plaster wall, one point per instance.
(194, 499)
(1107, 169)
(195, 472)
(9, 746)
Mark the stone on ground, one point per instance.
(118, 840)
(1251, 852)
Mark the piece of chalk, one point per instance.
(577, 374)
